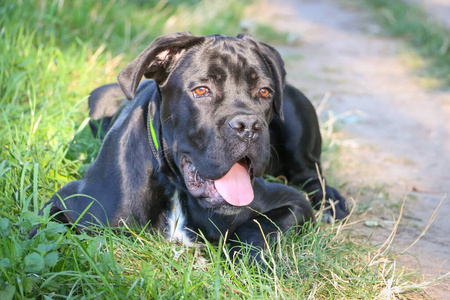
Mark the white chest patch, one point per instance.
(176, 222)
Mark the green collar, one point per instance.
(153, 134)
(152, 137)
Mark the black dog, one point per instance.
(188, 152)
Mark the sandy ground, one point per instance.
(394, 132)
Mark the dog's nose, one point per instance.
(245, 126)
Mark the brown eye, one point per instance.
(201, 92)
(264, 93)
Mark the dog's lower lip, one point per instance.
(196, 178)
(198, 186)
(204, 189)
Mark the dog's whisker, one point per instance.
(275, 152)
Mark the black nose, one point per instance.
(245, 126)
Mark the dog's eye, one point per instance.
(264, 93)
(202, 92)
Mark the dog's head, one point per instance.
(218, 96)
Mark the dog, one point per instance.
(187, 153)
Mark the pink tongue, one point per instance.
(235, 187)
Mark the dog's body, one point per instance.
(187, 153)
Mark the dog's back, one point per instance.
(104, 102)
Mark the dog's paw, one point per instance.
(327, 217)
(335, 205)
(247, 254)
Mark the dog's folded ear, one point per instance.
(156, 61)
(275, 64)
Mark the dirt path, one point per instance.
(395, 133)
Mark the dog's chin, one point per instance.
(204, 190)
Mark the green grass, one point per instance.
(430, 40)
(53, 53)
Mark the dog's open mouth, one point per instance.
(235, 187)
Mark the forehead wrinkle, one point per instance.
(230, 59)
(229, 48)
(237, 65)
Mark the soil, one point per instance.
(394, 130)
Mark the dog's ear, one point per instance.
(156, 61)
(275, 64)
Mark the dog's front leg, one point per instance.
(277, 208)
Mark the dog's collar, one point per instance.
(152, 139)
(154, 134)
(152, 130)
